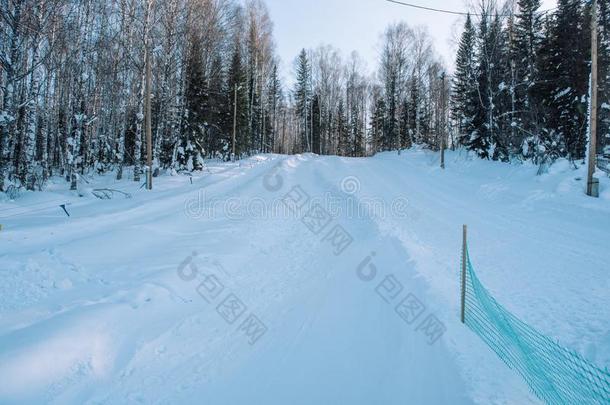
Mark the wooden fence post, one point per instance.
(464, 263)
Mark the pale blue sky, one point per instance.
(357, 24)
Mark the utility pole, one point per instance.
(443, 125)
(148, 59)
(234, 123)
(593, 183)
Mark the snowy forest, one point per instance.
(73, 78)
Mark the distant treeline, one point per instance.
(73, 77)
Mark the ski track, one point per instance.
(94, 310)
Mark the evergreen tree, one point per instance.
(413, 112)
(406, 137)
(275, 96)
(303, 99)
(236, 85)
(316, 134)
(511, 118)
(548, 143)
(604, 76)
(424, 117)
(378, 124)
(342, 130)
(254, 109)
(216, 113)
(500, 71)
(568, 60)
(525, 49)
(480, 140)
(195, 97)
(393, 73)
(465, 96)
(356, 135)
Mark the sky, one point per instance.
(358, 24)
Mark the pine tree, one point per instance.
(315, 125)
(511, 115)
(528, 34)
(500, 71)
(406, 137)
(393, 73)
(303, 99)
(254, 110)
(413, 113)
(464, 100)
(568, 59)
(480, 140)
(275, 98)
(604, 75)
(548, 143)
(355, 136)
(378, 124)
(424, 115)
(196, 99)
(215, 112)
(342, 130)
(236, 86)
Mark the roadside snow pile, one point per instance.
(39, 276)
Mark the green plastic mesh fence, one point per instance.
(555, 374)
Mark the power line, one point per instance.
(436, 10)
(453, 12)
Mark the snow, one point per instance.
(5, 118)
(99, 307)
(563, 92)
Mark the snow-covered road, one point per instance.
(304, 280)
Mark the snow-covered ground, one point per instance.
(302, 280)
